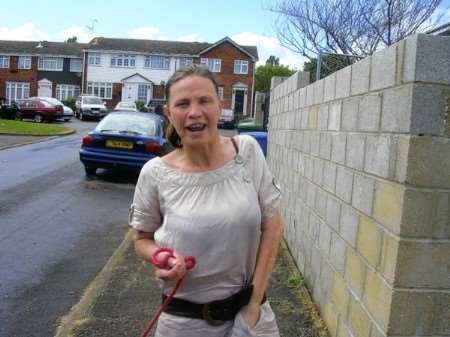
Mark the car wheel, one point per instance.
(81, 116)
(90, 170)
(38, 118)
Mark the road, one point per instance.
(58, 229)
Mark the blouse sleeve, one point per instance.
(144, 213)
(269, 193)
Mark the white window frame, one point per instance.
(157, 62)
(220, 91)
(24, 62)
(46, 63)
(123, 60)
(64, 91)
(94, 59)
(17, 90)
(76, 65)
(100, 89)
(185, 62)
(240, 67)
(143, 89)
(214, 65)
(4, 61)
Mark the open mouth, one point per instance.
(196, 127)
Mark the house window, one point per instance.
(240, 67)
(50, 63)
(143, 93)
(123, 60)
(4, 61)
(101, 89)
(75, 65)
(220, 91)
(157, 62)
(185, 62)
(16, 91)
(94, 59)
(64, 91)
(24, 62)
(213, 65)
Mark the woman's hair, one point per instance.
(192, 70)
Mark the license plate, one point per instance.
(119, 144)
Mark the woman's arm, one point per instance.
(272, 232)
(145, 247)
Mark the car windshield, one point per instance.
(227, 112)
(127, 105)
(92, 100)
(123, 123)
(53, 101)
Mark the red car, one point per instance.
(39, 110)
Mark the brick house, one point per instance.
(131, 69)
(33, 68)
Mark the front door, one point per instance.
(44, 88)
(130, 92)
(239, 101)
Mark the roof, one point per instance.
(161, 47)
(41, 48)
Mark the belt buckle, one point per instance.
(206, 313)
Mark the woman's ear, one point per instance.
(167, 113)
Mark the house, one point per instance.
(137, 70)
(40, 68)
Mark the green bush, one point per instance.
(141, 106)
(70, 102)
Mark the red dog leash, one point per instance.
(162, 262)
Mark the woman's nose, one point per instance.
(195, 110)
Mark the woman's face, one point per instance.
(194, 110)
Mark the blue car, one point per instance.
(124, 139)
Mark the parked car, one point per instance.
(249, 124)
(90, 107)
(39, 110)
(227, 119)
(126, 105)
(124, 139)
(8, 111)
(67, 112)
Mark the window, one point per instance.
(240, 67)
(4, 61)
(50, 63)
(213, 65)
(185, 62)
(16, 91)
(143, 93)
(64, 91)
(101, 89)
(94, 59)
(123, 60)
(157, 62)
(220, 91)
(24, 62)
(75, 65)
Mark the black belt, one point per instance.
(215, 312)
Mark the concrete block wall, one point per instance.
(363, 157)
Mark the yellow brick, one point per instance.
(377, 297)
(388, 205)
(369, 240)
(312, 118)
(340, 294)
(389, 257)
(331, 318)
(358, 319)
(355, 271)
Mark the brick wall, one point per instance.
(363, 157)
(14, 74)
(226, 78)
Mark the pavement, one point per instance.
(123, 297)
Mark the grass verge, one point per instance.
(12, 127)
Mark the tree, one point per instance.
(264, 74)
(356, 27)
(273, 60)
(329, 63)
(72, 39)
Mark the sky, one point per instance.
(247, 22)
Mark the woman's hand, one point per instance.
(250, 313)
(177, 269)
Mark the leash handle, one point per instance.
(161, 256)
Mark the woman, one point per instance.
(213, 198)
